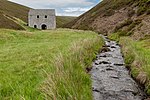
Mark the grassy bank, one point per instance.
(137, 54)
(49, 65)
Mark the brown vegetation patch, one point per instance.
(142, 29)
(142, 78)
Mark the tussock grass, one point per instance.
(41, 65)
(137, 54)
(72, 82)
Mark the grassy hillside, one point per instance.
(8, 10)
(48, 65)
(61, 20)
(11, 9)
(104, 8)
(109, 13)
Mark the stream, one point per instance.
(110, 78)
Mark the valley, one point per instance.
(101, 55)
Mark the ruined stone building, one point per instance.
(42, 18)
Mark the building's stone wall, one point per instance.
(50, 21)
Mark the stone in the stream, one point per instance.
(104, 62)
(105, 49)
(96, 63)
(113, 47)
(108, 41)
(115, 77)
(104, 55)
(109, 66)
(96, 90)
(109, 69)
(119, 64)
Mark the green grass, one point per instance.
(137, 54)
(48, 64)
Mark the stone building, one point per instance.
(42, 18)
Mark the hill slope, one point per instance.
(61, 20)
(113, 15)
(8, 10)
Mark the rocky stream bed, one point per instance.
(110, 78)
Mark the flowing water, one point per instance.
(110, 78)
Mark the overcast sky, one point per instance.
(63, 7)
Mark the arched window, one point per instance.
(38, 16)
(45, 16)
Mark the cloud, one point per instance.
(74, 11)
(77, 9)
(63, 7)
(54, 3)
(63, 3)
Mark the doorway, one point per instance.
(44, 27)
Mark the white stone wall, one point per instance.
(50, 21)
